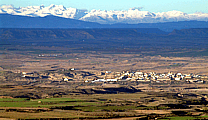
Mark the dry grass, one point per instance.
(101, 62)
(19, 115)
(96, 63)
(153, 111)
(113, 96)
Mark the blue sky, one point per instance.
(187, 6)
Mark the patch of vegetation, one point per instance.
(49, 102)
(13, 99)
(106, 108)
(180, 118)
(59, 100)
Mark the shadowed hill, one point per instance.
(105, 33)
(116, 38)
(14, 21)
(199, 32)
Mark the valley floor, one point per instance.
(33, 86)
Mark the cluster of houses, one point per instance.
(109, 76)
(154, 77)
(47, 55)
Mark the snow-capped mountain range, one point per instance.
(131, 16)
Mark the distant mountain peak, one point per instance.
(132, 16)
(136, 8)
(7, 7)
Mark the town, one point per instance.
(112, 77)
(153, 77)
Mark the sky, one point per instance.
(187, 6)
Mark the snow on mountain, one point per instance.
(199, 16)
(131, 16)
(42, 11)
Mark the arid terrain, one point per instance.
(32, 60)
(49, 84)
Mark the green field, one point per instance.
(182, 118)
(50, 102)
(100, 106)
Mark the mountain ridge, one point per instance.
(131, 16)
(191, 32)
(16, 21)
(104, 38)
(96, 33)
